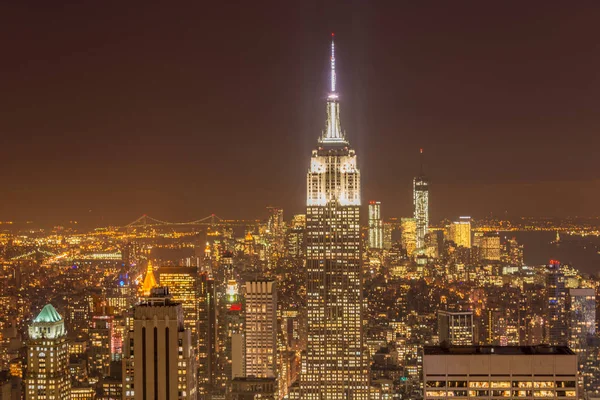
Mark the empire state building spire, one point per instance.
(333, 130)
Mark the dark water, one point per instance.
(580, 252)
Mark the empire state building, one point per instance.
(335, 366)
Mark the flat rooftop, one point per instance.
(500, 350)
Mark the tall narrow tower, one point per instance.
(47, 358)
(335, 365)
(421, 203)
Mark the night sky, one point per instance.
(109, 110)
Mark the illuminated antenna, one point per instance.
(332, 63)
(421, 161)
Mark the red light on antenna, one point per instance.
(332, 34)
(421, 151)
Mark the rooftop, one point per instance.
(499, 350)
(48, 314)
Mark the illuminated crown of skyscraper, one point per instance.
(333, 130)
(149, 280)
(48, 324)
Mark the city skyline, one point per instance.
(124, 132)
(339, 293)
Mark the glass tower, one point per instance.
(421, 205)
(375, 225)
(335, 366)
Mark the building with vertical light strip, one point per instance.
(375, 225)
(335, 366)
(421, 206)
(158, 357)
(47, 358)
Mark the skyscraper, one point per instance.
(149, 280)
(207, 333)
(556, 304)
(261, 328)
(460, 232)
(490, 246)
(455, 328)
(101, 344)
(182, 284)
(375, 225)
(159, 358)
(421, 205)
(409, 235)
(582, 318)
(335, 365)
(47, 358)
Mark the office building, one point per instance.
(296, 235)
(582, 318)
(375, 225)
(455, 328)
(158, 359)
(251, 388)
(261, 329)
(101, 345)
(335, 366)
(207, 333)
(489, 246)
(421, 205)
(481, 372)
(47, 358)
(387, 235)
(556, 305)
(409, 235)
(182, 284)
(459, 232)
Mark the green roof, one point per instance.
(48, 314)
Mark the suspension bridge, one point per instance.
(146, 221)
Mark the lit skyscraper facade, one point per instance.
(556, 304)
(335, 366)
(47, 358)
(582, 318)
(460, 232)
(261, 328)
(421, 205)
(158, 359)
(183, 288)
(375, 225)
(456, 328)
(409, 235)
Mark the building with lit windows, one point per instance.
(158, 357)
(409, 235)
(149, 280)
(482, 372)
(459, 232)
(489, 246)
(375, 225)
(295, 236)
(47, 358)
(101, 345)
(207, 333)
(387, 235)
(335, 366)
(421, 205)
(455, 327)
(582, 318)
(261, 329)
(556, 305)
(182, 284)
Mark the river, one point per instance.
(580, 252)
